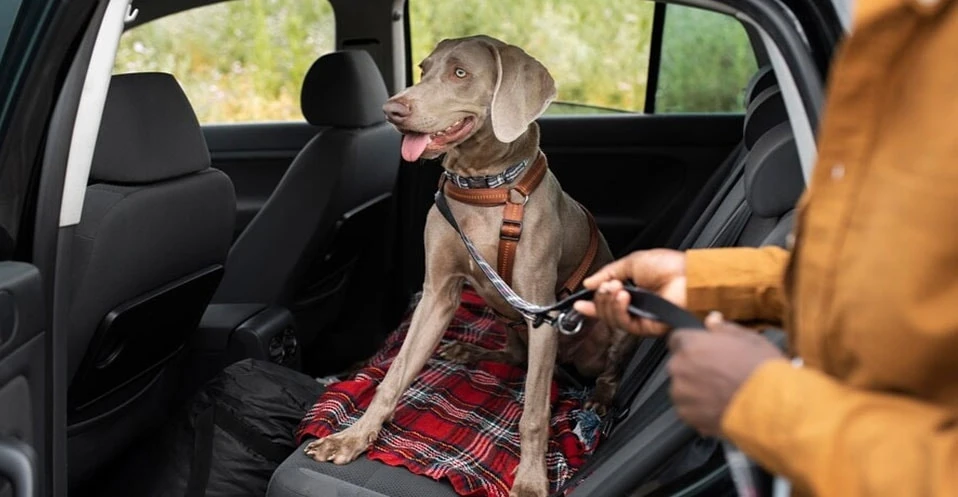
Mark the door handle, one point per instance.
(17, 465)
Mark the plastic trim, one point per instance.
(90, 110)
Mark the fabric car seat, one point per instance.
(147, 256)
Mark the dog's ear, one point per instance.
(524, 89)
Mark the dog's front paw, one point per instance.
(343, 447)
(462, 353)
(530, 484)
(599, 408)
(601, 397)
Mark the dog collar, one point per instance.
(490, 181)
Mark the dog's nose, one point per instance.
(397, 111)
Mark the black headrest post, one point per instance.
(345, 90)
(148, 132)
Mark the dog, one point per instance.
(476, 104)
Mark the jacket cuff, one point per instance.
(744, 284)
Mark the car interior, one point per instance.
(165, 247)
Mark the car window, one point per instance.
(695, 79)
(599, 51)
(238, 61)
(596, 50)
(8, 14)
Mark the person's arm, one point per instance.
(831, 439)
(744, 284)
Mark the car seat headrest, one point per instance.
(148, 132)
(760, 81)
(344, 89)
(764, 112)
(773, 173)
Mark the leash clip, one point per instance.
(569, 323)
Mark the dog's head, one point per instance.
(470, 85)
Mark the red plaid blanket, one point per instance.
(459, 422)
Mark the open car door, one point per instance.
(38, 41)
(23, 311)
(22, 378)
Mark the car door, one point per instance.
(24, 338)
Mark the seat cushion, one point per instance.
(301, 476)
(456, 422)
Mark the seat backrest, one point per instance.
(148, 251)
(333, 201)
(730, 219)
(773, 184)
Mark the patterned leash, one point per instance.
(560, 315)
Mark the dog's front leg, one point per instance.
(532, 479)
(429, 322)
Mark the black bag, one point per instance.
(229, 439)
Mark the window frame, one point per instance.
(655, 57)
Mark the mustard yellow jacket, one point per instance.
(869, 292)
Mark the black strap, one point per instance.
(631, 385)
(734, 227)
(272, 451)
(730, 171)
(202, 453)
(649, 305)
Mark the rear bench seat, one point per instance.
(753, 206)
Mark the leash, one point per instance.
(559, 315)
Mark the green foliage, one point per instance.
(244, 60)
(597, 51)
(706, 61)
(237, 61)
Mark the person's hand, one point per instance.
(707, 368)
(661, 271)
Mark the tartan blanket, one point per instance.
(455, 421)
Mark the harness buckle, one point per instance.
(510, 230)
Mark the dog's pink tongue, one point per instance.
(413, 145)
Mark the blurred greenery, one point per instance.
(706, 61)
(237, 61)
(244, 60)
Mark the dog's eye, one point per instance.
(460, 73)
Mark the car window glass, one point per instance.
(706, 61)
(597, 50)
(238, 61)
(8, 14)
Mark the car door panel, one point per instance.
(22, 378)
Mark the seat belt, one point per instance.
(733, 175)
(734, 227)
(644, 362)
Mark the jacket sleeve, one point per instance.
(831, 439)
(744, 284)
